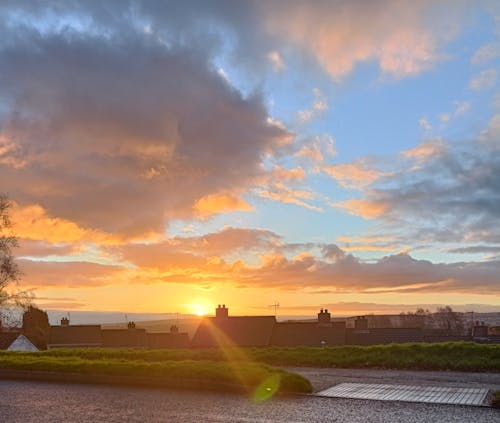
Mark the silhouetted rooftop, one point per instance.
(7, 338)
(75, 336)
(124, 337)
(246, 331)
(308, 334)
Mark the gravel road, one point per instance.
(40, 402)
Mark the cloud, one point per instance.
(60, 305)
(220, 203)
(357, 308)
(425, 124)
(396, 273)
(485, 79)
(31, 248)
(317, 149)
(280, 192)
(319, 107)
(445, 193)
(368, 209)
(196, 249)
(276, 61)
(33, 223)
(354, 175)
(461, 108)
(477, 249)
(485, 54)
(123, 154)
(425, 151)
(403, 38)
(75, 274)
(285, 174)
(258, 258)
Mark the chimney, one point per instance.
(64, 321)
(324, 316)
(221, 312)
(361, 323)
(131, 325)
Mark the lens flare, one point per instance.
(267, 388)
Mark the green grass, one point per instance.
(459, 356)
(190, 374)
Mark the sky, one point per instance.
(166, 157)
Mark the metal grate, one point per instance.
(428, 394)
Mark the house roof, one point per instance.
(75, 336)
(21, 343)
(308, 334)
(247, 331)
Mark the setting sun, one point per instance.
(198, 309)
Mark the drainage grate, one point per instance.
(428, 394)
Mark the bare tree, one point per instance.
(10, 273)
(449, 320)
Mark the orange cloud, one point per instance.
(220, 203)
(318, 149)
(425, 151)
(33, 223)
(10, 154)
(364, 208)
(70, 274)
(284, 174)
(368, 243)
(400, 36)
(319, 106)
(279, 192)
(353, 175)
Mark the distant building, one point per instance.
(260, 331)
(323, 332)
(93, 336)
(131, 337)
(172, 339)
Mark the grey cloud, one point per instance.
(396, 273)
(332, 251)
(452, 197)
(475, 249)
(337, 35)
(31, 248)
(122, 134)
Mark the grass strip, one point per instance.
(458, 356)
(187, 374)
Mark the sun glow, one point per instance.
(198, 309)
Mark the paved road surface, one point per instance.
(325, 378)
(40, 402)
